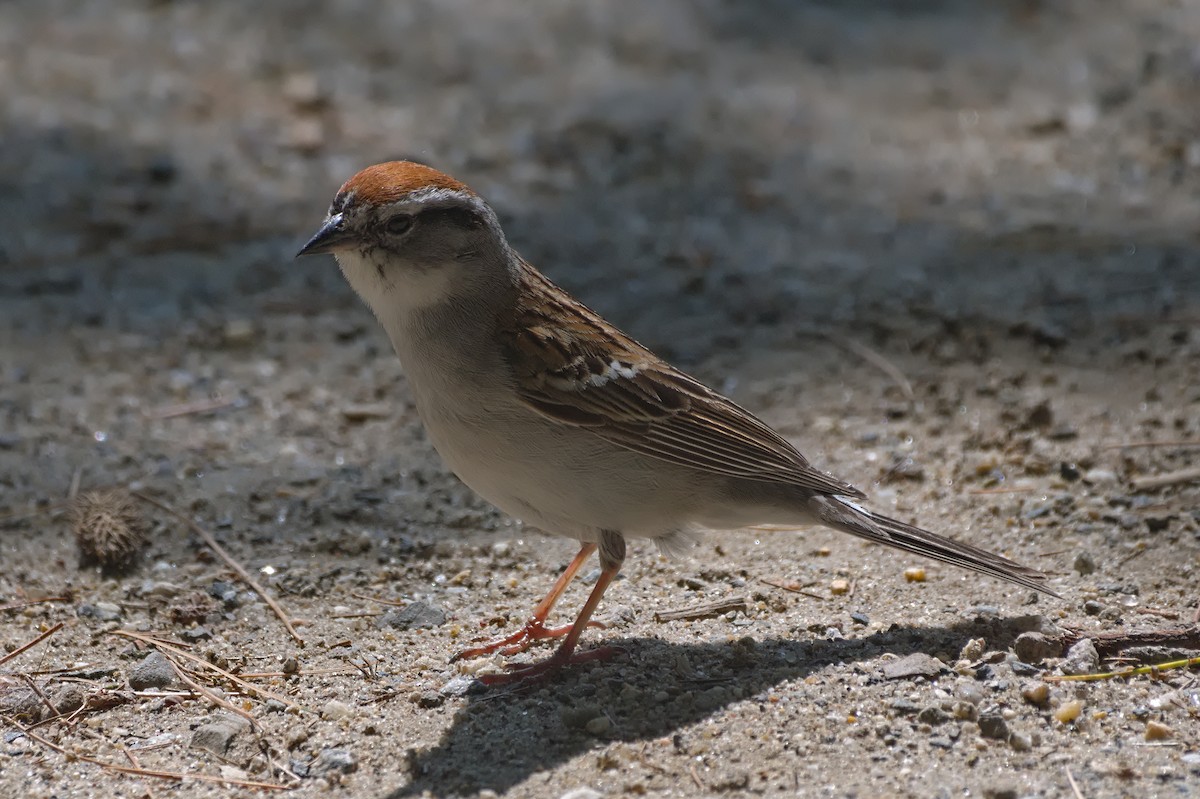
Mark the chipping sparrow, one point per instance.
(560, 419)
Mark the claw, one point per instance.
(533, 631)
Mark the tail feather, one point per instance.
(848, 517)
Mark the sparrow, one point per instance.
(560, 419)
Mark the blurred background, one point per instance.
(769, 163)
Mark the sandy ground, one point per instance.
(808, 204)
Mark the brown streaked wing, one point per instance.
(573, 367)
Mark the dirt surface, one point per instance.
(810, 205)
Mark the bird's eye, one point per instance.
(399, 224)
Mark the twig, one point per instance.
(188, 408)
(1074, 785)
(1013, 490)
(1112, 642)
(396, 603)
(31, 644)
(695, 777)
(229, 561)
(872, 357)
(71, 754)
(1141, 550)
(1144, 444)
(1162, 614)
(211, 697)
(707, 611)
(266, 675)
(1110, 675)
(167, 646)
(795, 589)
(33, 686)
(1163, 480)
(27, 603)
(73, 491)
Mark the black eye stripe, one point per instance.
(398, 224)
(459, 217)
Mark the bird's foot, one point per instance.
(533, 631)
(526, 674)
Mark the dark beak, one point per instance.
(330, 238)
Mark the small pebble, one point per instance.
(341, 761)
(154, 671)
(197, 633)
(1020, 741)
(1067, 712)
(217, 736)
(296, 736)
(1099, 476)
(460, 686)
(68, 698)
(966, 711)
(106, 611)
(933, 716)
(1035, 647)
(1157, 731)
(1000, 790)
(1040, 415)
(973, 649)
(413, 616)
(428, 699)
(1084, 563)
(914, 575)
(918, 664)
(335, 710)
(969, 692)
(582, 793)
(1082, 658)
(993, 725)
(162, 590)
(839, 587)
(1036, 694)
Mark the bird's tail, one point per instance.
(848, 517)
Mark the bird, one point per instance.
(560, 419)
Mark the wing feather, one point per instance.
(573, 367)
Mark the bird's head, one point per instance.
(408, 236)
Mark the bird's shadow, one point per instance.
(502, 736)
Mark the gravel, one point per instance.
(814, 206)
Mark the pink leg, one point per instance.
(535, 629)
(566, 651)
